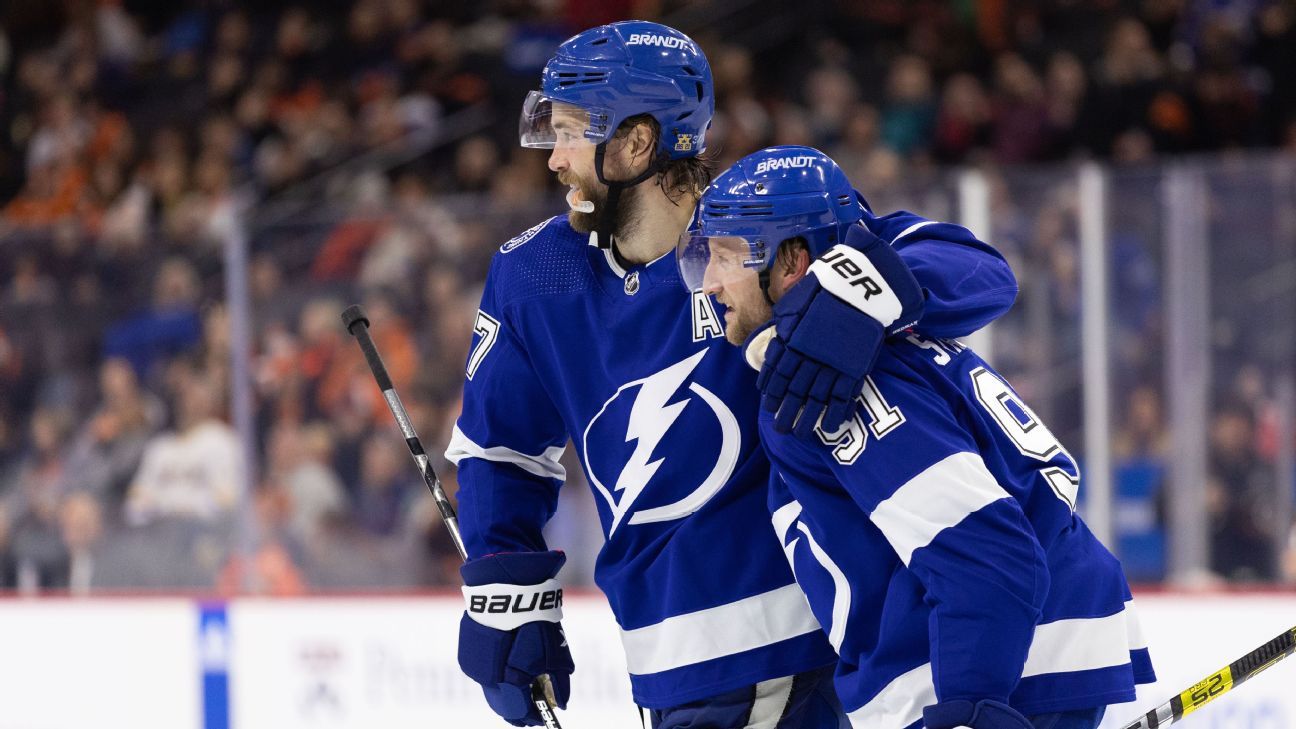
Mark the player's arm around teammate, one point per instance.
(926, 573)
(874, 281)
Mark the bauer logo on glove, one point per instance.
(852, 276)
(546, 600)
(505, 606)
(849, 270)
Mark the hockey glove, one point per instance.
(985, 714)
(830, 328)
(510, 633)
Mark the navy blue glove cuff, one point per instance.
(895, 271)
(984, 714)
(514, 568)
(862, 239)
(835, 333)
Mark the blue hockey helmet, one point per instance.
(764, 199)
(620, 70)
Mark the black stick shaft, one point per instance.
(357, 325)
(1217, 684)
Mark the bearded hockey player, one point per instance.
(935, 533)
(584, 334)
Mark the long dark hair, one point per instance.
(680, 177)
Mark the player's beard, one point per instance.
(627, 212)
(747, 318)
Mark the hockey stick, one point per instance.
(357, 324)
(1219, 683)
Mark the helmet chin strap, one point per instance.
(602, 234)
(764, 277)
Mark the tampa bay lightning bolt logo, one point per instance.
(656, 404)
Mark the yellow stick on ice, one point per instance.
(1217, 684)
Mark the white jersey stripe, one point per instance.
(1080, 644)
(841, 589)
(934, 500)
(784, 517)
(724, 630)
(545, 465)
(898, 705)
(912, 228)
(770, 703)
(1133, 628)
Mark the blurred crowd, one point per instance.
(142, 118)
(367, 149)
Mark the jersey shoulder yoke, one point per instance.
(546, 259)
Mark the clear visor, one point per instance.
(547, 123)
(709, 263)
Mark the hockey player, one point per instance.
(584, 334)
(934, 534)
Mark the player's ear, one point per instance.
(640, 145)
(790, 265)
(795, 261)
(802, 263)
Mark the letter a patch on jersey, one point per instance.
(706, 323)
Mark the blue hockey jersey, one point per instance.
(936, 539)
(662, 412)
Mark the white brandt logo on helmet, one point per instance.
(665, 41)
(654, 412)
(784, 163)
